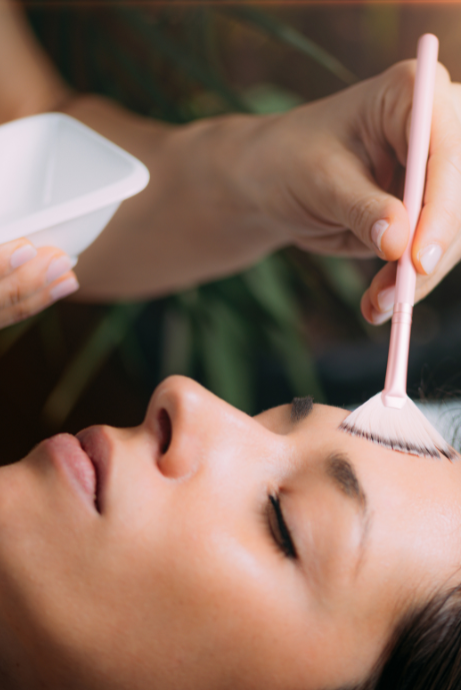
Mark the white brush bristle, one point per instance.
(406, 429)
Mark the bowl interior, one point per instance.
(50, 159)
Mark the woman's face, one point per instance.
(221, 550)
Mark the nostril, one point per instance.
(164, 424)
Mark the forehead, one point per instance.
(317, 436)
(391, 479)
(411, 499)
(319, 429)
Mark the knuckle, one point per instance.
(404, 72)
(360, 214)
(14, 295)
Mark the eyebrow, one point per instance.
(339, 468)
(301, 408)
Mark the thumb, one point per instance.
(376, 217)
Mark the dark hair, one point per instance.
(424, 652)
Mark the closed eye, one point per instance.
(278, 528)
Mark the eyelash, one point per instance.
(279, 530)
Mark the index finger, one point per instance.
(440, 219)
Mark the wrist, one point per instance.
(197, 219)
(220, 161)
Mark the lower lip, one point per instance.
(68, 454)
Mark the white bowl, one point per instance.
(61, 182)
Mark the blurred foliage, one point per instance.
(288, 35)
(166, 62)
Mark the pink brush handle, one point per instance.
(394, 393)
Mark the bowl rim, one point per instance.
(83, 204)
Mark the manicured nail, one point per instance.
(22, 255)
(386, 298)
(378, 317)
(66, 287)
(377, 232)
(57, 268)
(430, 257)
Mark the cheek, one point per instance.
(200, 585)
(42, 529)
(226, 599)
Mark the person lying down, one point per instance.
(205, 549)
(209, 550)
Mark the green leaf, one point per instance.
(347, 282)
(299, 364)
(182, 58)
(226, 358)
(265, 99)
(143, 79)
(289, 36)
(133, 357)
(268, 281)
(177, 343)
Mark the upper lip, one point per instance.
(95, 446)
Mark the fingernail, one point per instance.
(379, 317)
(386, 298)
(57, 268)
(377, 232)
(430, 257)
(22, 255)
(66, 287)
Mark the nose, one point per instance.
(189, 423)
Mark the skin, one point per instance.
(231, 190)
(178, 583)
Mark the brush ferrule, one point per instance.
(397, 400)
(394, 394)
(402, 313)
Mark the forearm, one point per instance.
(29, 81)
(195, 220)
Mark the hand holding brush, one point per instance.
(390, 418)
